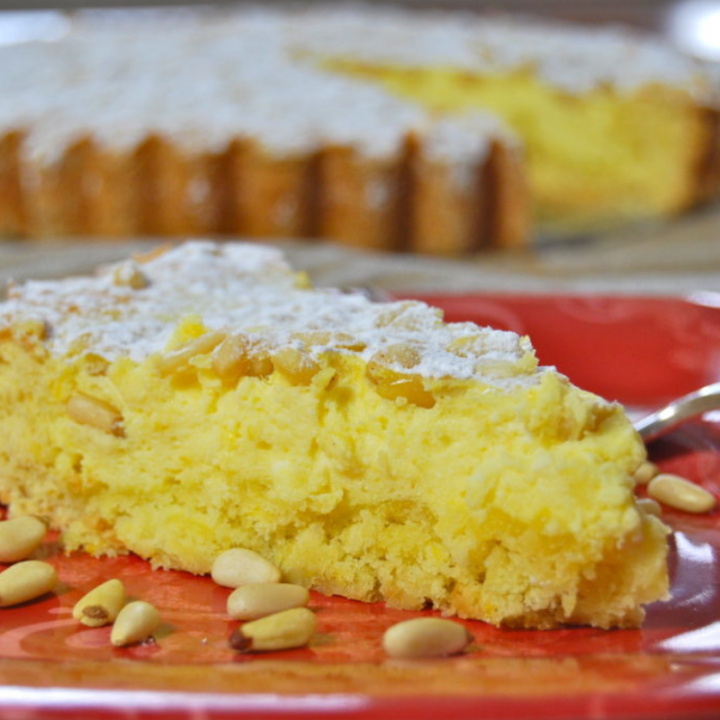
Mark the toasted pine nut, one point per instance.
(136, 622)
(101, 605)
(236, 356)
(20, 537)
(681, 494)
(645, 473)
(425, 637)
(650, 507)
(281, 631)
(179, 359)
(402, 354)
(88, 410)
(393, 385)
(28, 332)
(26, 581)
(250, 602)
(130, 275)
(239, 566)
(299, 367)
(152, 254)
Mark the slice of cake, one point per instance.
(204, 398)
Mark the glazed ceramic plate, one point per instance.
(637, 350)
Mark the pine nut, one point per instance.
(29, 333)
(180, 359)
(237, 356)
(30, 329)
(20, 537)
(649, 506)
(101, 605)
(645, 473)
(425, 638)
(402, 354)
(391, 384)
(130, 275)
(239, 566)
(88, 410)
(156, 252)
(281, 631)
(26, 581)
(136, 622)
(681, 494)
(297, 366)
(251, 602)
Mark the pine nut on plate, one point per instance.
(136, 622)
(250, 602)
(25, 581)
(425, 638)
(681, 494)
(239, 566)
(281, 631)
(20, 537)
(101, 605)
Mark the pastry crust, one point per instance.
(707, 186)
(364, 201)
(12, 210)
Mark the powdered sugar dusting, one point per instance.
(200, 85)
(570, 56)
(250, 289)
(210, 77)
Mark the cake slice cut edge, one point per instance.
(206, 398)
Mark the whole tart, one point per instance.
(383, 128)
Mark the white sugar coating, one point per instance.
(573, 57)
(204, 78)
(200, 85)
(249, 289)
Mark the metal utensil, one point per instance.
(662, 421)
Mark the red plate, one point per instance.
(637, 350)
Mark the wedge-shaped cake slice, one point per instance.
(204, 398)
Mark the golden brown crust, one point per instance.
(509, 217)
(707, 174)
(47, 215)
(274, 196)
(227, 179)
(12, 215)
(108, 187)
(87, 192)
(361, 199)
(449, 208)
(169, 181)
(407, 202)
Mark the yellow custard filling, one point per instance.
(600, 155)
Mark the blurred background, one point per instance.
(694, 25)
(656, 258)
